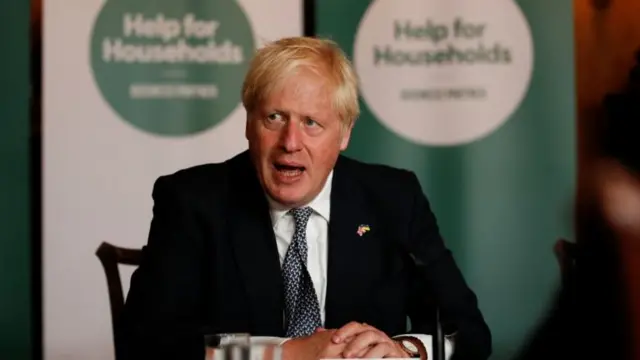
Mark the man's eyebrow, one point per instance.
(287, 113)
(280, 111)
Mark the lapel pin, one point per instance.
(363, 229)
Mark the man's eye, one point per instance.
(274, 117)
(310, 122)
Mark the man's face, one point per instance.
(295, 138)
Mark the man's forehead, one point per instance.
(301, 92)
(304, 82)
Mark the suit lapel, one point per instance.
(255, 250)
(354, 259)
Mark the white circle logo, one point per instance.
(443, 72)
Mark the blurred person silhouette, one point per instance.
(619, 194)
(596, 313)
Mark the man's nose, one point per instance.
(291, 136)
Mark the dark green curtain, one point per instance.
(15, 233)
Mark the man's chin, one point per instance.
(288, 197)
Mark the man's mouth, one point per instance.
(289, 170)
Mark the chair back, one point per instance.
(438, 339)
(111, 256)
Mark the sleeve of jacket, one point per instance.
(161, 316)
(437, 281)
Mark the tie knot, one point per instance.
(301, 216)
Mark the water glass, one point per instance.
(240, 346)
(227, 346)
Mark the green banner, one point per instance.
(478, 99)
(15, 250)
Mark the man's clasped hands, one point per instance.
(354, 340)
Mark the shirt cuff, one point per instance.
(427, 341)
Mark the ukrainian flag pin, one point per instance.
(363, 229)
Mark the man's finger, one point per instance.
(362, 353)
(363, 341)
(381, 350)
(350, 330)
(349, 339)
(332, 351)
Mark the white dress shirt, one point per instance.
(317, 237)
(317, 243)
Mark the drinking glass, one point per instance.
(241, 346)
(265, 349)
(227, 346)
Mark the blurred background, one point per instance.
(520, 119)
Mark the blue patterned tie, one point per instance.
(302, 310)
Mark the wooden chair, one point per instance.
(111, 256)
(438, 339)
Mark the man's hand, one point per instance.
(365, 341)
(313, 347)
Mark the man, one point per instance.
(290, 239)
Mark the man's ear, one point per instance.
(246, 126)
(346, 136)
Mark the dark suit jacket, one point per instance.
(211, 263)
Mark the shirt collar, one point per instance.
(321, 204)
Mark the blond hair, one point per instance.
(273, 63)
